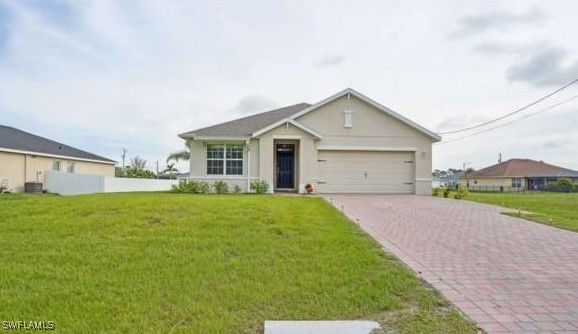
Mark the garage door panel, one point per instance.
(365, 172)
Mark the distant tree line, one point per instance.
(443, 174)
(137, 168)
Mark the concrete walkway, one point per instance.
(507, 274)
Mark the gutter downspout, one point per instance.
(248, 165)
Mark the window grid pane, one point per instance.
(234, 167)
(215, 151)
(516, 182)
(224, 159)
(235, 152)
(215, 167)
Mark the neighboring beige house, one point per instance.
(25, 157)
(516, 175)
(346, 143)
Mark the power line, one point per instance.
(513, 121)
(513, 112)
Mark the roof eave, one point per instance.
(69, 157)
(219, 138)
(373, 103)
(289, 120)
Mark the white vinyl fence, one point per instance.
(76, 184)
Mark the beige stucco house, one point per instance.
(346, 143)
(25, 157)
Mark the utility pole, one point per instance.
(123, 156)
(157, 169)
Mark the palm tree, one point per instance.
(180, 155)
(170, 169)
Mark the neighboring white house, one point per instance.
(25, 157)
(346, 143)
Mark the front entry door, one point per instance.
(285, 166)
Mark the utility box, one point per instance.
(33, 187)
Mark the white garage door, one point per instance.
(366, 172)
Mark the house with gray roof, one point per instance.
(25, 157)
(346, 143)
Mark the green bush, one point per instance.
(436, 192)
(461, 193)
(185, 187)
(237, 189)
(204, 188)
(260, 187)
(562, 186)
(221, 187)
(564, 182)
(192, 187)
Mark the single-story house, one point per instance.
(346, 143)
(515, 175)
(25, 157)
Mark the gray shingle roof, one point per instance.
(14, 139)
(244, 127)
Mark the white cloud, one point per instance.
(496, 20)
(330, 61)
(460, 122)
(545, 67)
(255, 103)
(134, 74)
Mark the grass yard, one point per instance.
(556, 209)
(173, 263)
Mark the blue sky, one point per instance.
(103, 75)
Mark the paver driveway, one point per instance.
(507, 274)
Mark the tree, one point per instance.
(440, 174)
(170, 169)
(453, 171)
(119, 172)
(135, 169)
(137, 163)
(180, 155)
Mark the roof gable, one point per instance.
(15, 140)
(522, 168)
(246, 126)
(373, 103)
(293, 122)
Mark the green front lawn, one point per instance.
(556, 209)
(160, 263)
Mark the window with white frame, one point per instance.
(70, 167)
(224, 159)
(56, 165)
(516, 182)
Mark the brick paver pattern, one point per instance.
(507, 274)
